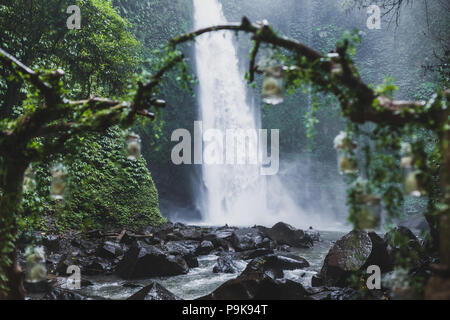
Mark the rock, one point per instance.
(259, 286)
(205, 248)
(191, 233)
(273, 265)
(162, 231)
(284, 248)
(225, 264)
(53, 260)
(154, 291)
(131, 285)
(252, 254)
(110, 250)
(187, 249)
(221, 237)
(313, 234)
(285, 234)
(355, 251)
(316, 281)
(403, 244)
(247, 239)
(332, 293)
(51, 243)
(89, 265)
(64, 294)
(143, 261)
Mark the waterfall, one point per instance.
(234, 194)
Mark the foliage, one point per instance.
(104, 189)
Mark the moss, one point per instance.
(105, 189)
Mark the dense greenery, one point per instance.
(100, 58)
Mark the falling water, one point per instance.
(235, 194)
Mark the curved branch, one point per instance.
(364, 105)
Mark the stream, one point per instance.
(201, 281)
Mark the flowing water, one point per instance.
(201, 281)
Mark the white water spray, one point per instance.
(235, 194)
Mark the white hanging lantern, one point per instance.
(59, 181)
(133, 145)
(412, 184)
(29, 180)
(273, 85)
(344, 146)
(36, 271)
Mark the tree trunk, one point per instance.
(444, 224)
(12, 97)
(11, 285)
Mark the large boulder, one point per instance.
(154, 291)
(111, 250)
(187, 249)
(190, 233)
(257, 285)
(247, 239)
(355, 251)
(225, 264)
(403, 245)
(252, 254)
(89, 264)
(220, 237)
(143, 260)
(205, 248)
(285, 234)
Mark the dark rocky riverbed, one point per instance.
(177, 261)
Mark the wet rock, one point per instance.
(252, 254)
(225, 264)
(205, 248)
(285, 234)
(53, 260)
(191, 233)
(162, 230)
(273, 265)
(284, 248)
(89, 265)
(332, 293)
(154, 291)
(313, 234)
(110, 250)
(64, 294)
(247, 239)
(355, 251)
(343, 294)
(143, 261)
(403, 244)
(221, 237)
(256, 285)
(316, 281)
(131, 285)
(51, 243)
(186, 249)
